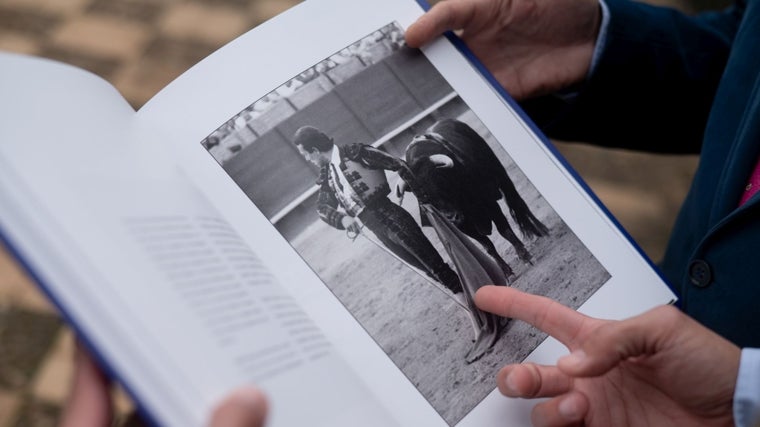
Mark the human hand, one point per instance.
(532, 47)
(659, 368)
(89, 403)
(351, 225)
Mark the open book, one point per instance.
(195, 247)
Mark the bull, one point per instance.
(455, 171)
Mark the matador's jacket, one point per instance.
(353, 183)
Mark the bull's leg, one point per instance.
(491, 250)
(505, 230)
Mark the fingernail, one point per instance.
(510, 382)
(568, 408)
(574, 359)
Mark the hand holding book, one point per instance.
(531, 47)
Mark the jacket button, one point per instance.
(699, 273)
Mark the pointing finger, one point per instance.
(561, 322)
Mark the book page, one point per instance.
(156, 282)
(384, 293)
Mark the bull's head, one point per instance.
(439, 160)
(435, 174)
(401, 188)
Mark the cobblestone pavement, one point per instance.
(140, 46)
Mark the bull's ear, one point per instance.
(441, 161)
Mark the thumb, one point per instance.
(89, 402)
(246, 407)
(616, 341)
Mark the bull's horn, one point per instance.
(401, 188)
(441, 161)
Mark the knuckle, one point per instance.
(536, 382)
(668, 315)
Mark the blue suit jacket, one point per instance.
(671, 83)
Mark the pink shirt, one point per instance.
(753, 185)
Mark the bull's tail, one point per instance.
(530, 226)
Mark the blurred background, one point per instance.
(140, 46)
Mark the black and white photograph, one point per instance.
(401, 200)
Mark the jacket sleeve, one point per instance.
(377, 159)
(654, 84)
(327, 203)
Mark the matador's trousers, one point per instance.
(397, 229)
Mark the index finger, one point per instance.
(557, 320)
(443, 16)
